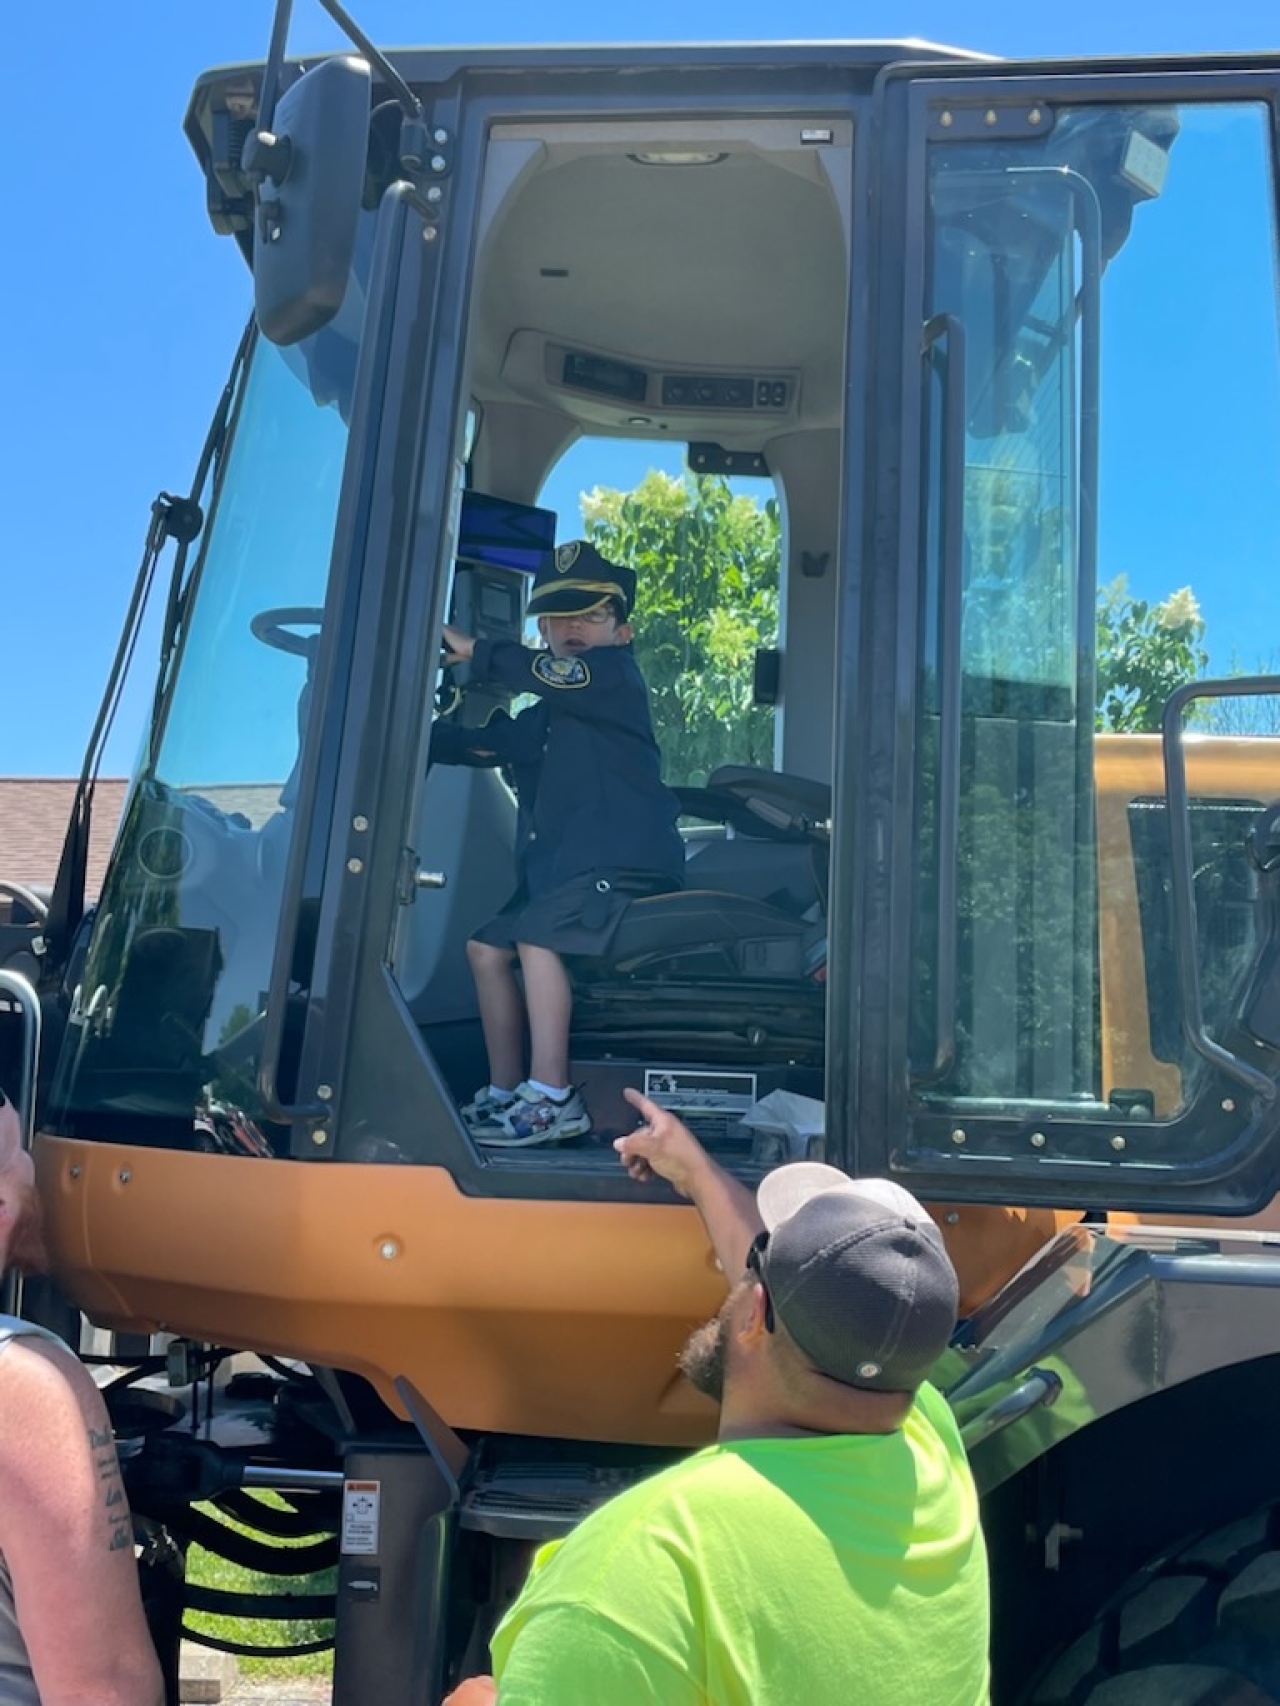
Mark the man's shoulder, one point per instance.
(931, 1413)
(37, 1366)
(18, 1337)
(51, 1415)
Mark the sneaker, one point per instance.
(536, 1118)
(483, 1109)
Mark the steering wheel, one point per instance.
(272, 628)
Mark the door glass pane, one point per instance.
(1108, 337)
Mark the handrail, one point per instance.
(950, 670)
(277, 1007)
(1182, 878)
(1040, 1387)
(13, 983)
(951, 575)
(22, 990)
(1088, 223)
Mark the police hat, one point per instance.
(575, 578)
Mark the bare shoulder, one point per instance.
(44, 1365)
(46, 1397)
(61, 1490)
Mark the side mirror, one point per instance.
(309, 170)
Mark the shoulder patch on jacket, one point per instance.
(561, 672)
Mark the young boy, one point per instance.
(596, 827)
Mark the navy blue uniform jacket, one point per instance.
(583, 762)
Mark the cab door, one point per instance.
(1075, 426)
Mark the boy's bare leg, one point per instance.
(501, 1012)
(548, 997)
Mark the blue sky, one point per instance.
(121, 308)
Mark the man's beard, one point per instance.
(705, 1356)
(26, 1249)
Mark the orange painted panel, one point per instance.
(549, 1318)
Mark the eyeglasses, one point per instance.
(594, 618)
(755, 1261)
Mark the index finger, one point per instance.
(647, 1110)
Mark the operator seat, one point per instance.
(755, 904)
(791, 805)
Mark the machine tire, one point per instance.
(1198, 1627)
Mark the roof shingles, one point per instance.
(34, 813)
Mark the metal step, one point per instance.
(541, 1501)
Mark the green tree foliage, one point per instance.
(1144, 652)
(1256, 715)
(707, 562)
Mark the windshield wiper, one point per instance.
(180, 519)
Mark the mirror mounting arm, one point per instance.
(266, 155)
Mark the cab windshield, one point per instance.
(166, 1021)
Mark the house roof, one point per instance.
(34, 813)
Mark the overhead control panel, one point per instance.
(721, 391)
(603, 376)
(613, 390)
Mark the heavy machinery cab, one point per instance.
(910, 866)
(942, 340)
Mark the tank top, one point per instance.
(17, 1685)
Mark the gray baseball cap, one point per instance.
(857, 1274)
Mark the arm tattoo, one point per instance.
(119, 1525)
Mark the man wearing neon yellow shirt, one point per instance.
(827, 1548)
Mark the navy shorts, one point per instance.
(579, 917)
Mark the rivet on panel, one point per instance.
(124, 1175)
(430, 233)
(1038, 1140)
(75, 1172)
(953, 1218)
(1034, 116)
(945, 120)
(959, 1136)
(990, 116)
(324, 1092)
(1118, 1143)
(355, 866)
(360, 822)
(1228, 1105)
(389, 1249)
(319, 1137)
